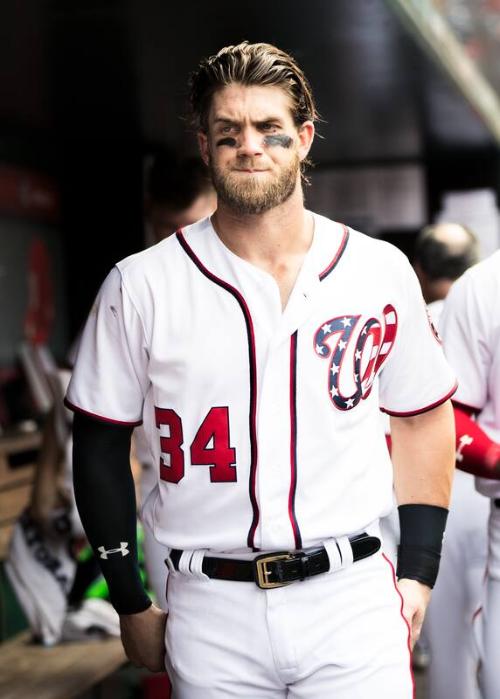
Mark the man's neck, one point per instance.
(270, 238)
(276, 241)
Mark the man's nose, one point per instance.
(251, 142)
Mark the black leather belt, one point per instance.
(282, 567)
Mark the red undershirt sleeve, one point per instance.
(476, 452)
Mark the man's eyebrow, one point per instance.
(258, 122)
(224, 120)
(269, 120)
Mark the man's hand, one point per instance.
(416, 597)
(143, 638)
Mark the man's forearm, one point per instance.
(104, 492)
(423, 453)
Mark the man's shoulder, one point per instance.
(361, 246)
(375, 246)
(489, 268)
(162, 256)
(482, 279)
(474, 298)
(143, 258)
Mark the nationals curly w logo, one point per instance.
(373, 343)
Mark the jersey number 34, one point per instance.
(210, 447)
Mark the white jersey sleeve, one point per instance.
(110, 377)
(464, 326)
(417, 376)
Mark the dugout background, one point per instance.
(88, 86)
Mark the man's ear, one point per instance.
(203, 146)
(306, 137)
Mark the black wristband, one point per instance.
(419, 553)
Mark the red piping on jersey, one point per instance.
(422, 410)
(293, 441)
(253, 378)
(338, 255)
(101, 418)
(405, 621)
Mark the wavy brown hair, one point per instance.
(250, 64)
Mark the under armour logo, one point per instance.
(464, 441)
(123, 550)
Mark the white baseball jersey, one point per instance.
(263, 422)
(470, 327)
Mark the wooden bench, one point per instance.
(29, 671)
(15, 482)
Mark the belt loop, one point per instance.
(346, 550)
(195, 565)
(339, 553)
(169, 563)
(184, 562)
(190, 564)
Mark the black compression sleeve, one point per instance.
(105, 495)
(422, 531)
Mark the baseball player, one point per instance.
(256, 347)
(471, 333)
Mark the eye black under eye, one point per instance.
(227, 141)
(278, 139)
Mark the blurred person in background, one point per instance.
(443, 252)
(179, 192)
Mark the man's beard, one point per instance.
(248, 194)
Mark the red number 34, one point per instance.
(219, 456)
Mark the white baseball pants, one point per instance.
(339, 635)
